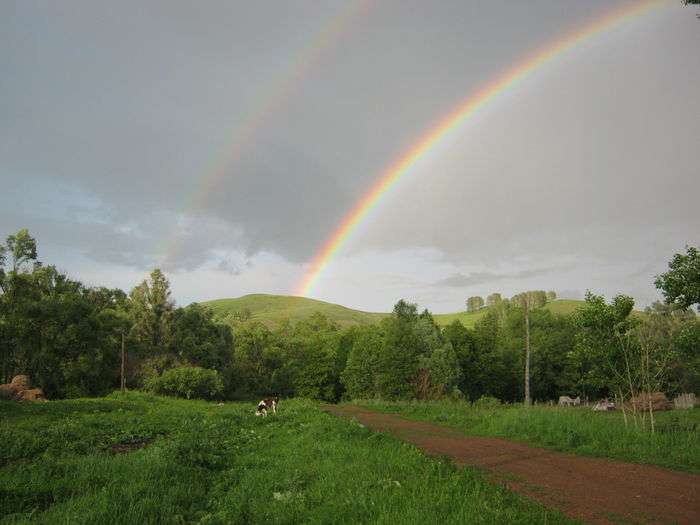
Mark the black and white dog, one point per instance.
(269, 403)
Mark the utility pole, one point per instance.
(123, 378)
(527, 352)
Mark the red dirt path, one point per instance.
(589, 489)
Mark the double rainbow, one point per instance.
(451, 123)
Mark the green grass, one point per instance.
(563, 306)
(210, 464)
(273, 310)
(468, 319)
(675, 445)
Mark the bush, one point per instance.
(151, 368)
(456, 394)
(187, 381)
(487, 402)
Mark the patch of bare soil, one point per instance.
(125, 448)
(589, 489)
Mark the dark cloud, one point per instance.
(229, 267)
(114, 118)
(459, 280)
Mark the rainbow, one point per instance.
(268, 104)
(448, 125)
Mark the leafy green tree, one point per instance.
(22, 250)
(684, 375)
(553, 365)
(656, 334)
(360, 372)
(487, 372)
(604, 349)
(197, 339)
(428, 333)
(463, 343)
(475, 303)
(494, 299)
(681, 284)
(406, 312)
(151, 308)
(317, 340)
(16, 291)
(551, 296)
(439, 373)
(256, 357)
(397, 359)
(65, 340)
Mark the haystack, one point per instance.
(33, 394)
(685, 401)
(21, 382)
(659, 401)
(20, 389)
(8, 392)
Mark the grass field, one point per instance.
(208, 464)
(676, 444)
(273, 310)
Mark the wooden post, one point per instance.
(123, 377)
(527, 354)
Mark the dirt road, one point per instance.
(589, 489)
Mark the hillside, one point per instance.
(273, 310)
(469, 319)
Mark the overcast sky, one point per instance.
(225, 141)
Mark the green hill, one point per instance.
(273, 310)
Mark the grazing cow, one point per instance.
(603, 405)
(267, 404)
(566, 401)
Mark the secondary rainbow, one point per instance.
(449, 124)
(268, 104)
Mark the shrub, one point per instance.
(187, 381)
(456, 394)
(151, 368)
(487, 402)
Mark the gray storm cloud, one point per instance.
(459, 280)
(127, 108)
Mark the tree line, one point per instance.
(68, 338)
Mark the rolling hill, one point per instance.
(273, 310)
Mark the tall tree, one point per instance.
(551, 295)
(151, 308)
(16, 290)
(359, 376)
(528, 301)
(656, 334)
(494, 299)
(605, 349)
(22, 249)
(397, 358)
(198, 339)
(681, 283)
(475, 303)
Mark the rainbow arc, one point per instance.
(448, 125)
